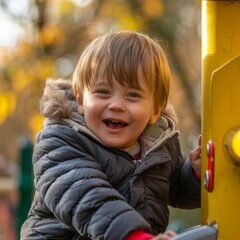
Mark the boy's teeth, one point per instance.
(115, 123)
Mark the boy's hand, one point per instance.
(165, 236)
(195, 158)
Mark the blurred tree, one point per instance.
(53, 36)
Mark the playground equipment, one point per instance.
(220, 122)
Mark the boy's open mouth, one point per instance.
(112, 123)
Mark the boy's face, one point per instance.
(116, 114)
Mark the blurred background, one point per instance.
(44, 38)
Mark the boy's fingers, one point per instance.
(171, 233)
(165, 236)
(200, 140)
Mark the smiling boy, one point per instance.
(108, 161)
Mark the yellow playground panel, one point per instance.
(220, 123)
(221, 116)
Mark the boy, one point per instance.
(108, 160)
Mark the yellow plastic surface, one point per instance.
(221, 112)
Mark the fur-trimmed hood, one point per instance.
(58, 104)
(58, 101)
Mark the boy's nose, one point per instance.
(117, 104)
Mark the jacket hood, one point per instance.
(58, 101)
(58, 104)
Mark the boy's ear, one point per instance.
(155, 116)
(80, 104)
(79, 99)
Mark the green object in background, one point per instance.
(181, 219)
(25, 182)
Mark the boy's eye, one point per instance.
(103, 91)
(133, 95)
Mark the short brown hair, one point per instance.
(120, 55)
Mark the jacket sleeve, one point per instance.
(185, 189)
(189, 188)
(75, 189)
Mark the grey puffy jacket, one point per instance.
(85, 190)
